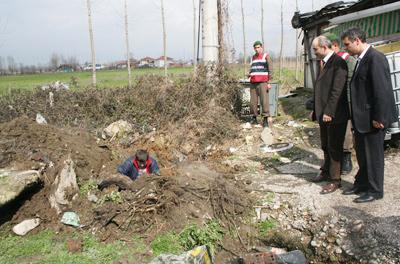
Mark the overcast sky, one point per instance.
(31, 30)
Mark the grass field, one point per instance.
(105, 78)
(116, 78)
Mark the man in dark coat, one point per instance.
(373, 110)
(330, 111)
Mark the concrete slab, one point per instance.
(13, 182)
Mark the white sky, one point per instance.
(31, 30)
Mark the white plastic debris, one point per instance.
(246, 125)
(232, 150)
(40, 119)
(25, 226)
(292, 123)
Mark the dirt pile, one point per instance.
(175, 121)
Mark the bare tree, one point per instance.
(2, 66)
(194, 35)
(11, 64)
(128, 59)
(262, 21)
(164, 38)
(281, 51)
(244, 40)
(54, 61)
(91, 43)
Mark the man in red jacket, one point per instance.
(260, 74)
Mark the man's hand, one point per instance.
(269, 86)
(377, 125)
(326, 118)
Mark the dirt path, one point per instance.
(369, 233)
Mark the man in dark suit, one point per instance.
(331, 111)
(372, 111)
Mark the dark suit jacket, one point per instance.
(371, 93)
(330, 91)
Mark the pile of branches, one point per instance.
(199, 107)
(159, 201)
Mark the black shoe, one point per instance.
(265, 122)
(254, 120)
(366, 198)
(353, 190)
(347, 164)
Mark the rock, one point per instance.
(284, 160)
(357, 228)
(357, 222)
(338, 250)
(249, 140)
(266, 136)
(314, 243)
(13, 182)
(117, 129)
(93, 198)
(292, 257)
(70, 218)
(40, 119)
(64, 186)
(25, 226)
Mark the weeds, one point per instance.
(265, 227)
(166, 243)
(114, 197)
(87, 187)
(193, 236)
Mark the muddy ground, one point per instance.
(211, 169)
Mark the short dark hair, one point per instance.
(142, 155)
(353, 33)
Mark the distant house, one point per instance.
(160, 62)
(146, 62)
(123, 64)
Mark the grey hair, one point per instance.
(353, 33)
(324, 41)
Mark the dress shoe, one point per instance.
(265, 122)
(254, 120)
(346, 163)
(353, 190)
(366, 198)
(330, 187)
(321, 176)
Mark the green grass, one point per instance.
(190, 237)
(265, 227)
(48, 247)
(105, 78)
(166, 243)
